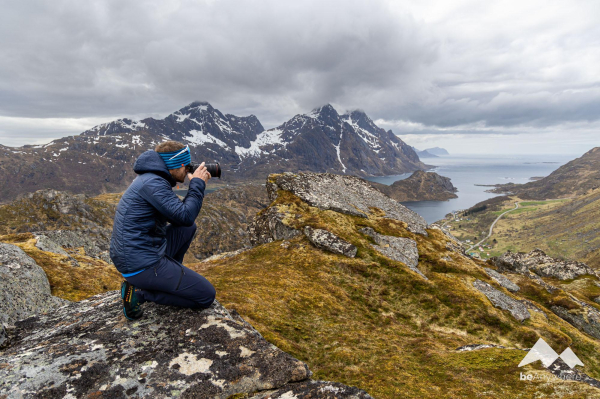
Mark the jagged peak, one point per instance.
(357, 115)
(199, 106)
(324, 110)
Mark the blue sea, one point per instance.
(467, 170)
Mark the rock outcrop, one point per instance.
(397, 248)
(268, 226)
(541, 264)
(56, 240)
(502, 280)
(330, 242)
(89, 349)
(24, 287)
(345, 194)
(500, 300)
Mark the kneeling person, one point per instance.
(146, 250)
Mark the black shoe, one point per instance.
(131, 305)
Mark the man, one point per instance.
(148, 252)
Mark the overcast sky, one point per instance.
(470, 76)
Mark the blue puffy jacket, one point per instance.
(139, 231)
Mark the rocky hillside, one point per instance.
(363, 291)
(88, 349)
(577, 177)
(420, 186)
(101, 159)
(346, 283)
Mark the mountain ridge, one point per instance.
(100, 159)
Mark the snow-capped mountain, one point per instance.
(101, 159)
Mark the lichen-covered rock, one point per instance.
(55, 240)
(397, 248)
(330, 242)
(502, 280)
(500, 300)
(46, 244)
(89, 348)
(541, 264)
(314, 389)
(562, 370)
(24, 287)
(268, 226)
(346, 194)
(586, 319)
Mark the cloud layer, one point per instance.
(472, 66)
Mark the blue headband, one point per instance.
(175, 159)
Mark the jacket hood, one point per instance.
(151, 162)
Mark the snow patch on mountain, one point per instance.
(181, 117)
(132, 125)
(197, 137)
(368, 137)
(268, 137)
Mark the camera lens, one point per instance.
(214, 169)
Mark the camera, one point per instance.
(213, 168)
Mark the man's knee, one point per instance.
(208, 296)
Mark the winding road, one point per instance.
(492, 226)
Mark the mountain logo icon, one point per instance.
(543, 352)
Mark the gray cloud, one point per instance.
(468, 65)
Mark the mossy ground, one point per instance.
(372, 323)
(91, 277)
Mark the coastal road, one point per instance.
(492, 226)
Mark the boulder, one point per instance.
(397, 248)
(328, 241)
(89, 349)
(502, 280)
(24, 287)
(541, 264)
(586, 319)
(95, 246)
(346, 194)
(268, 226)
(500, 300)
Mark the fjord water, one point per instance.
(465, 171)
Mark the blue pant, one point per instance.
(168, 282)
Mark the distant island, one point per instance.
(434, 152)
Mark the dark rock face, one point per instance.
(420, 186)
(328, 241)
(502, 280)
(397, 248)
(500, 300)
(541, 264)
(24, 287)
(346, 194)
(268, 226)
(89, 348)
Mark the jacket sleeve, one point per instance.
(160, 195)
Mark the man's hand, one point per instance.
(200, 173)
